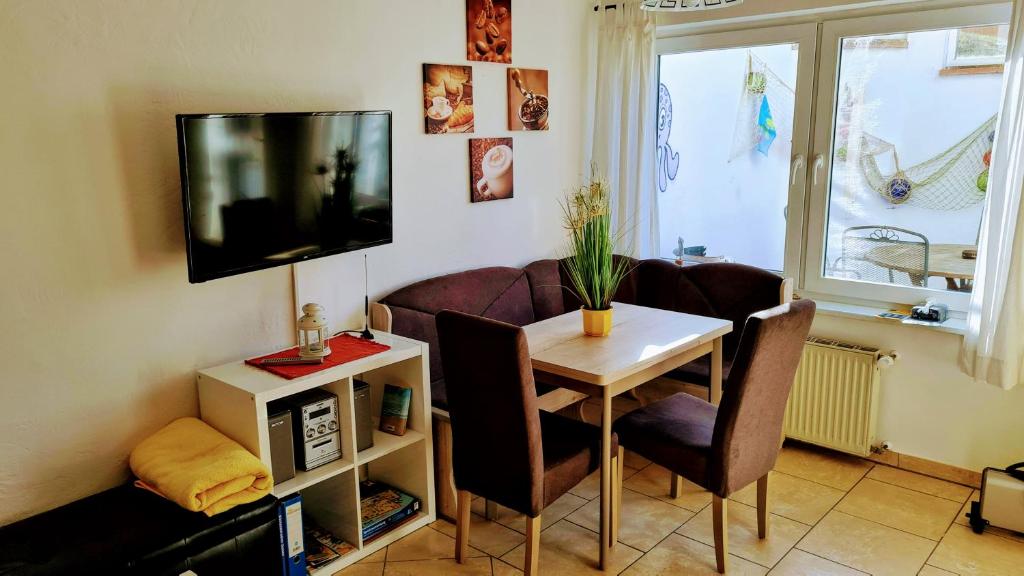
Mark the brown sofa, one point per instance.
(536, 292)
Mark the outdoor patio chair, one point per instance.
(883, 254)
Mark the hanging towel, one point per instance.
(767, 124)
(200, 469)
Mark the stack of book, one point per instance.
(322, 547)
(384, 508)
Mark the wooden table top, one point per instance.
(641, 337)
(944, 260)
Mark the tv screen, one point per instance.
(262, 190)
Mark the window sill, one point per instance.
(953, 325)
(969, 70)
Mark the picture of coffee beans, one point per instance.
(448, 99)
(528, 104)
(489, 31)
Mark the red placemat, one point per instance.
(344, 349)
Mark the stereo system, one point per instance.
(315, 422)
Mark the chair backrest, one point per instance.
(492, 402)
(748, 428)
(883, 254)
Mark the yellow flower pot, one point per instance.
(597, 322)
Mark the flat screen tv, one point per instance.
(262, 190)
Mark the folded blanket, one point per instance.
(200, 469)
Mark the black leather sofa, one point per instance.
(127, 530)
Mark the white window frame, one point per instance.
(833, 33)
(952, 61)
(806, 37)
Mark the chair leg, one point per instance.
(533, 546)
(720, 518)
(617, 471)
(490, 510)
(462, 526)
(675, 489)
(763, 512)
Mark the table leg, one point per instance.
(606, 476)
(716, 372)
(951, 285)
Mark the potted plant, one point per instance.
(593, 271)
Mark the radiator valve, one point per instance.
(888, 360)
(881, 447)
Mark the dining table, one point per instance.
(644, 343)
(954, 262)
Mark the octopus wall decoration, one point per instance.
(668, 160)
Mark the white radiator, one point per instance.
(834, 402)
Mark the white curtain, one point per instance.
(993, 349)
(621, 117)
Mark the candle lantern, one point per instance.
(312, 328)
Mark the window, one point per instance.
(976, 46)
(879, 196)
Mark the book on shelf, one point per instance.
(322, 547)
(384, 529)
(289, 520)
(383, 507)
(394, 410)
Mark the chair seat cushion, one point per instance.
(699, 371)
(674, 433)
(572, 450)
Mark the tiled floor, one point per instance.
(832, 515)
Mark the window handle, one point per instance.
(819, 161)
(798, 164)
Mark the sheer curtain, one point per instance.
(993, 349)
(622, 105)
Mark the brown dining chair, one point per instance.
(725, 449)
(504, 448)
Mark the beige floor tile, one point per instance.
(426, 544)
(559, 509)
(920, 483)
(969, 554)
(363, 569)
(867, 546)
(900, 508)
(472, 567)
(743, 541)
(645, 520)
(800, 563)
(963, 520)
(834, 469)
(933, 571)
(502, 568)
(567, 550)
(590, 488)
(654, 481)
(491, 537)
(634, 460)
(678, 555)
(794, 498)
(378, 556)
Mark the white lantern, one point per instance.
(312, 328)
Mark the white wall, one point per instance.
(101, 331)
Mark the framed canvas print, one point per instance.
(489, 31)
(527, 99)
(491, 174)
(447, 99)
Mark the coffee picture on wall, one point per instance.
(489, 31)
(527, 99)
(491, 173)
(448, 99)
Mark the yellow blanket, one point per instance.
(200, 469)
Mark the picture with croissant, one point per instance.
(447, 98)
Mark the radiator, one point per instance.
(834, 402)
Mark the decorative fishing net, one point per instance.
(759, 84)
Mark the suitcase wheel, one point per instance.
(978, 524)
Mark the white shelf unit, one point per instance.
(233, 399)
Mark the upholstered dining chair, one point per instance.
(725, 449)
(504, 448)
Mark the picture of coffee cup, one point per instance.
(438, 115)
(497, 169)
(491, 169)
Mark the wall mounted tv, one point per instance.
(262, 190)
